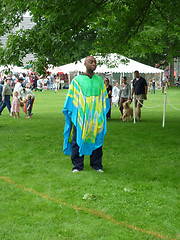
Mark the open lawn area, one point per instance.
(135, 198)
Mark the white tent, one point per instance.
(13, 69)
(113, 64)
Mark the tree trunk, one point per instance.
(172, 72)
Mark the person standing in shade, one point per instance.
(153, 86)
(164, 85)
(115, 94)
(85, 110)
(124, 94)
(6, 93)
(109, 92)
(140, 90)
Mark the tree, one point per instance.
(158, 41)
(66, 31)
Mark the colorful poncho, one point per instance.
(85, 107)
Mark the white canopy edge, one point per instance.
(13, 69)
(129, 67)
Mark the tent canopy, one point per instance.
(13, 69)
(113, 63)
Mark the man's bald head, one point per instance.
(89, 58)
(90, 63)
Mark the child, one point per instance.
(29, 106)
(15, 107)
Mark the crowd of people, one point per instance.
(120, 94)
(23, 97)
(39, 82)
(22, 85)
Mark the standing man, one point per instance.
(85, 112)
(140, 89)
(6, 93)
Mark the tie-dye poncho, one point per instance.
(85, 107)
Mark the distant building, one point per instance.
(25, 24)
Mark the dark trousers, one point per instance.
(0, 99)
(78, 162)
(153, 90)
(6, 103)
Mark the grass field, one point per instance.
(135, 198)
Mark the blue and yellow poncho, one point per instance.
(85, 107)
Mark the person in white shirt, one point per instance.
(17, 88)
(24, 94)
(115, 94)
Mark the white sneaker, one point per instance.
(100, 170)
(75, 170)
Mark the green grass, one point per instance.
(139, 186)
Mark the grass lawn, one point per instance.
(135, 198)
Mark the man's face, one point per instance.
(90, 64)
(136, 75)
(9, 81)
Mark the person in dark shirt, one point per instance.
(109, 92)
(140, 89)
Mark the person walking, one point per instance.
(6, 93)
(140, 90)
(85, 110)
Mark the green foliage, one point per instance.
(66, 31)
(159, 39)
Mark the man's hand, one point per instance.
(145, 98)
(2, 99)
